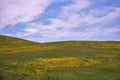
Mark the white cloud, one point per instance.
(71, 17)
(100, 32)
(104, 19)
(111, 30)
(111, 16)
(76, 6)
(12, 11)
(67, 20)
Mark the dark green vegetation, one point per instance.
(70, 60)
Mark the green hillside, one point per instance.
(69, 60)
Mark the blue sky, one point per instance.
(61, 20)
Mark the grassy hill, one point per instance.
(69, 60)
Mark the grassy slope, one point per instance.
(15, 53)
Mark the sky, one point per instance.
(61, 20)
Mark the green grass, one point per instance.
(69, 60)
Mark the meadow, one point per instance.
(68, 60)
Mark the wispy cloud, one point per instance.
(60, 26)
(20, 11)
(91, 19)
(79, 19)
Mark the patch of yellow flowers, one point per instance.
(46, 64)
(40, 66)
(24, 49)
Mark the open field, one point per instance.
(68, 60)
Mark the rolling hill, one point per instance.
(68, 60)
